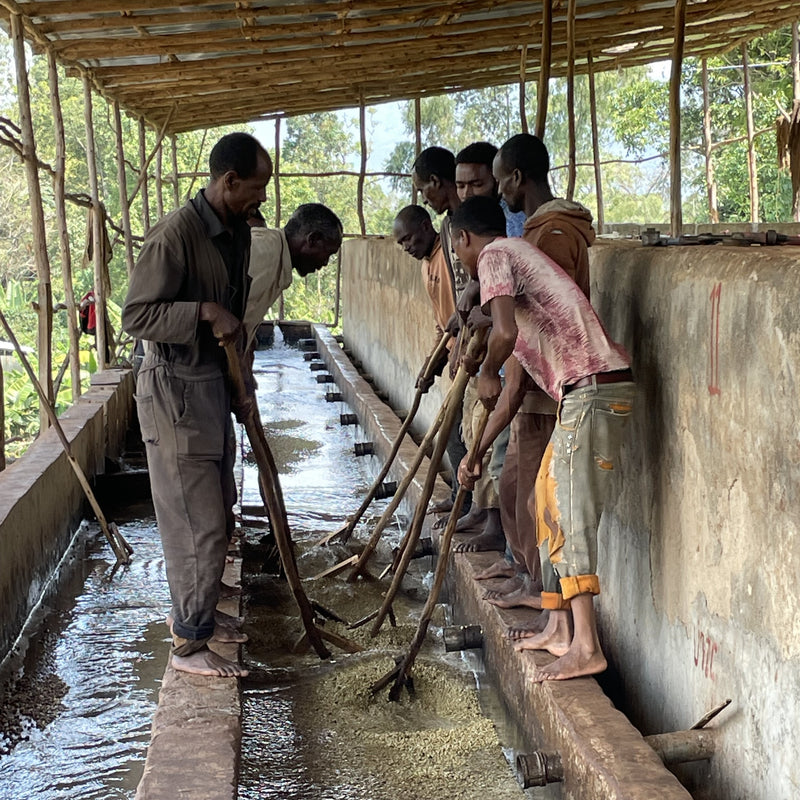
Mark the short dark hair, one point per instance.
(479, 215)
(314, 218)
(238, 152)
(412, 215)
(528, 154)
(436, 161)
(477, 153)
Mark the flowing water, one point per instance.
(77, 722)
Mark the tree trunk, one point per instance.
(752, 166)
(598, 176)
(711, 185)
(543, 92)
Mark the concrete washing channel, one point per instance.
(300, 727)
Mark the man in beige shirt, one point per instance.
(306, 243)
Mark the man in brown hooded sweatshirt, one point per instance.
(562, 229)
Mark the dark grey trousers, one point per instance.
(186, 424)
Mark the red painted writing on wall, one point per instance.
(713, 352)
(705, 648)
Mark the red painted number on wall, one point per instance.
(713, 352)
(705, 648)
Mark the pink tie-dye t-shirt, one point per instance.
(560, 339)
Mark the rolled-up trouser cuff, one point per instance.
(554, 601)
(579, 584)
(185, 647)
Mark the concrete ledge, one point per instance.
(375, 417)
(197, 729)
(41, 501)
(604, 756)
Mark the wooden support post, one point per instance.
(143, 182)
(2, 421)
(543, 92)
(711, 184)
(59, 168)
(676, 210)
(362, 127)
(752, 166)
(598, 173)
(571, 157)
(122, 180)
(30, 161)
(795, 63)
(278, 211)
(143, 171)
(523, 66)
(160, 180)
(176, 190)
(417, 139)
(796, 100)
(195, 172)
(276, 173)
(98, 250)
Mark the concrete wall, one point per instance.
(387, 321)
(700, 551)
(41, 501)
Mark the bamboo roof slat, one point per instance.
(224, 62)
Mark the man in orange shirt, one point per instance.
(414, 232)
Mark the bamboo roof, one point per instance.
(212, 62)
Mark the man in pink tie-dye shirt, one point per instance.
(541, 316)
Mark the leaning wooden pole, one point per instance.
(44, 335)
(98, 250)
(474, 352)
(433, 359)
(59, 200)
(386, 517)
(711, 184)
(273, 496)
(144, 165)
(571, 149)
(122, 550)
(752, 166)
(122, 181)
(441, 572)
(675, 201)
(598, 170)
(362, 129)
(523, 68)
(543, 93)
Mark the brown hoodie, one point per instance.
(563, 230)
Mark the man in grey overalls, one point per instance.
(187, 294)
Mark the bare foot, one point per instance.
(481, 543)
(221, 618)
(206, 662)
(226, 591)
(523, 596)
(506, 587)
(442, 507)
(519, 632)
(575, 663)
(497, 569)
(224, 632)
(475, 516)
(556, 637)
